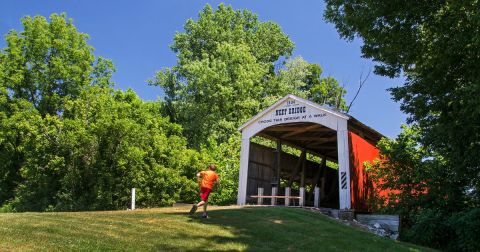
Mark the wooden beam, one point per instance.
(302, 179)
(284, 128)
(322, 147)
(329, 138)
(279, 161)
(313, 138)
(304, 129)
(309, 150)
(301, 160)
(333, 153)
(317, 176)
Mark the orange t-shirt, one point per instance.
(208, 179)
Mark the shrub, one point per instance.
(430, 228)
(467, 229)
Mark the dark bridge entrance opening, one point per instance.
(299, 155)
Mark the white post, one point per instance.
(133, 199)
(260, 193)
(243, 176)
(316, 204)
(343, 169)
(287, 194)
(302, 196)
(274, 193)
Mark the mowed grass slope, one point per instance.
(170, 229)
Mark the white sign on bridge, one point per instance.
(291, 111)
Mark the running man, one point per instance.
(209, 178)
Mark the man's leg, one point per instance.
(204, 215)
(204, 192)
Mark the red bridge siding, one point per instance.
(360, 188)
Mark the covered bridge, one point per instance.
(316, 131)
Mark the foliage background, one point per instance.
(433, 164)
(70, 141)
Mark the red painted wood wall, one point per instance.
(360, 188)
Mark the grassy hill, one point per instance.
(170, 229)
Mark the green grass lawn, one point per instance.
(170, 229)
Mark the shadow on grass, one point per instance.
(286, 229)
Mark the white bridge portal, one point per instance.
(291, 110)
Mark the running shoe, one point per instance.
(193, 210)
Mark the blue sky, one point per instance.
(136, 35)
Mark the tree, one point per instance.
(435, 44)
(230, 68)
(224, 55)
(42, 67)
(422, 192)
(304, 79)
(47, 62)
(408, 170)
(69, 141)
(105, 143)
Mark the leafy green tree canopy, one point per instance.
(265, 40)
(304, 79)
(224, 55)
(436, 45)
(50, 61)
(68, 141)
(42, 67)
(229, 68)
